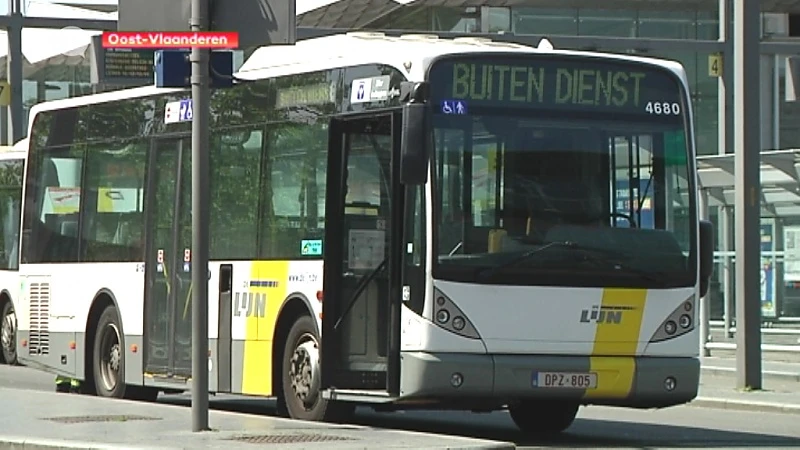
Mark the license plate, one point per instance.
(567, 380)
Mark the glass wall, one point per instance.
(54, 83)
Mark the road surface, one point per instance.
(678, 427)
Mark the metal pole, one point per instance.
(14, 70)
(726, 217)
(705, 307)
(747, 132)
(724, 135)
(724, 81)
(200, 217)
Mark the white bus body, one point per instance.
(484, 322)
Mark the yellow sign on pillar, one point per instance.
(5, 93)
(715, 65)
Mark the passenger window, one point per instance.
(235, 191)
(113, 213)
(52, 235)
(294, 206)
(10, 200)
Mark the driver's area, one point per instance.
(509, 187)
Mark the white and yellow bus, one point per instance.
(12, 164)
(355, 259)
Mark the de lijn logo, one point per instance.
(604, 314)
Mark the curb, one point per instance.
(745, 405)
(16, 442)
(729, 371)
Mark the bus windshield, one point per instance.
(562, 172)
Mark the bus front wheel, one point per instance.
(301, 377)
(543, 417)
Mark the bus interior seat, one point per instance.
(129, 233)
(498, 237)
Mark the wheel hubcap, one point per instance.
(8, 339)
(304, 370)
(111, 356)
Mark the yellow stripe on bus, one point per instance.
(616, 341)
(267, 278)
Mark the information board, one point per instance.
(121, 66)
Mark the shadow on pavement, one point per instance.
(585, 433)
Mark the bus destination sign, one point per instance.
(548, 83)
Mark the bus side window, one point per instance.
(113, 211)
(294, 203)
(53, 232)
(10, 196)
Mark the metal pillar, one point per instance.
(747, 132)
(200, 217)
(14, 71)
(726, 218)
(705, 306)
(725, 82)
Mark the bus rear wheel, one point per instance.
(543, 417)
(108, 357)
(301, 377)
(8, 334)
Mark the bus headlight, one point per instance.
(448, 316)
(679, 322)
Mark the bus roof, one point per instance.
(356, 48)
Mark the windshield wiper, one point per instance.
(594, 254)
(614, 258)
(489, 271)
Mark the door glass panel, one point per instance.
(165, 183)
(183, 273)
(367, 228)
(169, 264)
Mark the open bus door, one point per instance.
(363, 257)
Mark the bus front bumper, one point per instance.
(639, 382)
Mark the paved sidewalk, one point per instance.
(779, 370)
(778, 394)
(43, 420)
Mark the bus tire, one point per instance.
(108, 356)
(543, 417)
(301, 376)
(8, 334)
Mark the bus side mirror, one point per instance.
(706, 246)
(415, 142)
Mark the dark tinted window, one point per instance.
(113, 210)
(10, 199)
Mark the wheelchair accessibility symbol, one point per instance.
(457, 107)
